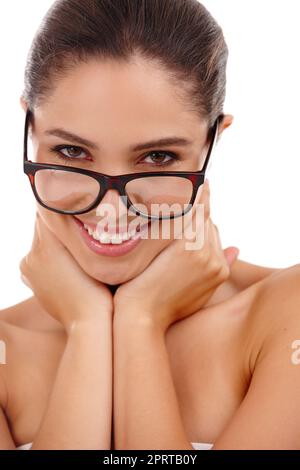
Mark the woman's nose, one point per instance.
(112, 207)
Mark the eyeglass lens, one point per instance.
(69, 191)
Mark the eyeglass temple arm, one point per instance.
(213, 142)
(27, 119)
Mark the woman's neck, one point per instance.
(113, 288)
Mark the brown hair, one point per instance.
(180, 36)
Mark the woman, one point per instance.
(177, 348)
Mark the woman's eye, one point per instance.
(156, 158)
(70, 152)
(160, 158)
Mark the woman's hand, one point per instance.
(61, 286)
(178, 282)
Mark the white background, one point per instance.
(256, 166)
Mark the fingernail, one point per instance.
(236, 254)
(232, 255)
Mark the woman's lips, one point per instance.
(109, 249)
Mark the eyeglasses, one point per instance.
(154, 195)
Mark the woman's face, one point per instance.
(116, 106)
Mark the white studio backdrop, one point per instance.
(255, 171)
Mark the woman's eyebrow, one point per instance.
(163, 142)
(58, 132)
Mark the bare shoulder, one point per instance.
(274, 313)
(30, 336)
(269, 415)
(32, 345)
(4, 339)
(25, 329)
(28, 315)
(243, 274)
(17, 323)
(20, 313)
(279, 294)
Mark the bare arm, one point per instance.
(79, 408)
(269, 416)
(146, 410)
(6, 440)
(78, 414)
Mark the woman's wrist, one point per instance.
(89, 323)
(138, 316)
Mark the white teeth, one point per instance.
(125, 236)
(132, 232)
(115, 239)
(103, 238)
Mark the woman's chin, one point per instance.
(111, 278)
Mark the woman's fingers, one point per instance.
(211, 246)
(46, 237)
(194, 226)
(25, 281)
(43, 251)
(42, 236)
(59, 283)
(204, 199)
(36, 237)
(231, 254)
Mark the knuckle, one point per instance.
(224, 272)
(215, 267)
(204, 257)
(24, 266)
(206, 211)
(218, 269)
(28, 263)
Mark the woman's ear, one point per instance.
(226, 122)
(23, 103)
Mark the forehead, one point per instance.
(126, 97)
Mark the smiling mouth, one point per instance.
(114, 238)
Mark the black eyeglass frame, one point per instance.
(117, 182)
